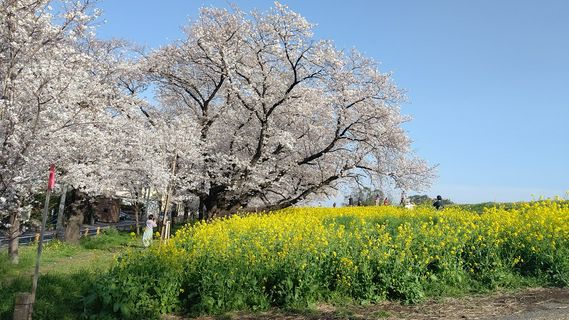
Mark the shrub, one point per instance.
(141, 284)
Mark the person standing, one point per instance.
(403, 201)
(148, 233)
(438, 204)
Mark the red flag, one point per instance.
(51, 182)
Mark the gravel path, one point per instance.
(543, 304)
(527, 304)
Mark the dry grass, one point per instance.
(524, 304)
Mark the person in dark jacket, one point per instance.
(438, 204)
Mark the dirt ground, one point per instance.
(528, 304)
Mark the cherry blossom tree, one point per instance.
(61, 103)
(279, 116)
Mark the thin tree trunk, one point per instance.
(146, 201)
(168, 192)
(186, 210)
(59, 226)
(136, 213)
(8, 95)
(164, 209)
(14, 238)
(201, 209)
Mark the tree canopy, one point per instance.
(279, 116)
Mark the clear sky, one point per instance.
(487, 81)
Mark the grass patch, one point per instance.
(109, 239)
(67, 274)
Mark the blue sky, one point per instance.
(487, 81)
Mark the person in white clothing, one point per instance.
(147, 236)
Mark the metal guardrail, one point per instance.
(85, 231)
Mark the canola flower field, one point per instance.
(298, 256)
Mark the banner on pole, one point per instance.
(51, 181)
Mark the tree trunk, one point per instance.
(75, 219)
(215, 204)
(136, 214)
(59, 226)
(14, 238)
(146, 202)
(201, 209)
(73, 229)
(186, 210)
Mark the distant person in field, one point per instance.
(403, 201)
(147, 236)
(438, 204)
(377, 200)
(385, 202)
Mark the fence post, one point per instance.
(23, 307)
